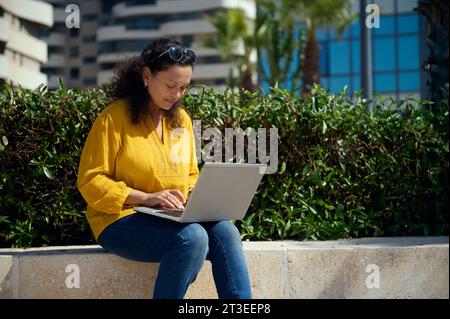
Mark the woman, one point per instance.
(132, 157)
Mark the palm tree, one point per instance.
(276, 42)
(318, 14)
(233, 32)
(436, 12)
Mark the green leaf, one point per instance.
(324, 127)
(34, 162)
(339, 209)
(287, 227)
(48, 173)
(305, 169)
(283, 168)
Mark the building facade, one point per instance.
(34, 37)
(133, 23)
(72, 48)
(112, 30)
(22, 52)
(398, 49)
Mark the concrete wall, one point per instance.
(403, 267)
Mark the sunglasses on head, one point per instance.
(176, 54)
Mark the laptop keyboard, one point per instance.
(171, 212)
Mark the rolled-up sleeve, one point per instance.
(95, 179)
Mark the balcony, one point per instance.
(26, 78)
(166, 7)
(212, 71)
(186, 27)
(4, 71)
(30, 10)
(3, 30)
(115, 57)
(119, 32)
(182, 6)
(56, 60)
(55, 39)
(27, 45)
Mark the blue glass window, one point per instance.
(409, 81)
(324, 67)
(356, 30)
(265, 66)
(406, 6)
(356, 56)
(385, 83)
(294, 62)
(339, 57)
(386, 6)
(337, 83)
(344, 35)
(408, 52)
(265, 87)
(408, 23)
(356, 83)
(321, 34)
(384, 54)
(325, 82)
(386, 26)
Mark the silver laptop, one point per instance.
(223, 191)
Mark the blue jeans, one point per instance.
(181, 249)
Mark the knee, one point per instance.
(226, 231)
(194, 237)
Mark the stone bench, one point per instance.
(401, 267)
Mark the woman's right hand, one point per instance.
(171, 198)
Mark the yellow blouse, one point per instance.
(119, 155)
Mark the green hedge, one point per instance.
(344, 171)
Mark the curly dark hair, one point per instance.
(127, 82)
